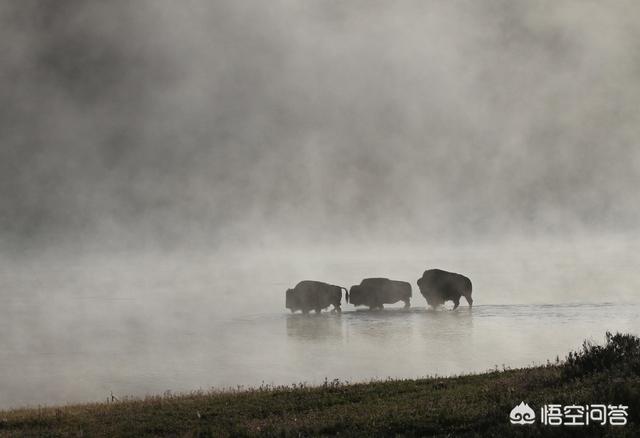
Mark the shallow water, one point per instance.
(86, 360)
(76, 327)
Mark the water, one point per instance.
(90, 359)
(76, 327)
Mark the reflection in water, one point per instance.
(140, 355)
(324, 326)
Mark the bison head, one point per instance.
(290, 299)
(356, 296)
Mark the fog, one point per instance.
(164, 164)
(216, 123)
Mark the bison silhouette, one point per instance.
(376, 292)
(313, 295)
(438, 286)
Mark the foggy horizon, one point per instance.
(217, 124)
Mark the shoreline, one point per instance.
(464, 405)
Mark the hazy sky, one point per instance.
(244, 122)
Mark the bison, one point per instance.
(438, 286)
(313, 295)
(376, 292)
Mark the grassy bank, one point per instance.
(473, 405)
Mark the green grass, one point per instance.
(470, 405)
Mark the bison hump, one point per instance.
(307, 283)
(374, 281)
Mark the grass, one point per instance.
(470, 405)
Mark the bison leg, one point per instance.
(337, 308)
(318, 310)
(456, 303)
(407, 304)
(469, 300)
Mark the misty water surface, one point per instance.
(75, 329)
(75, 345)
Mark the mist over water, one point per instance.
(168, 170)
(157, 353)
(137, 326)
